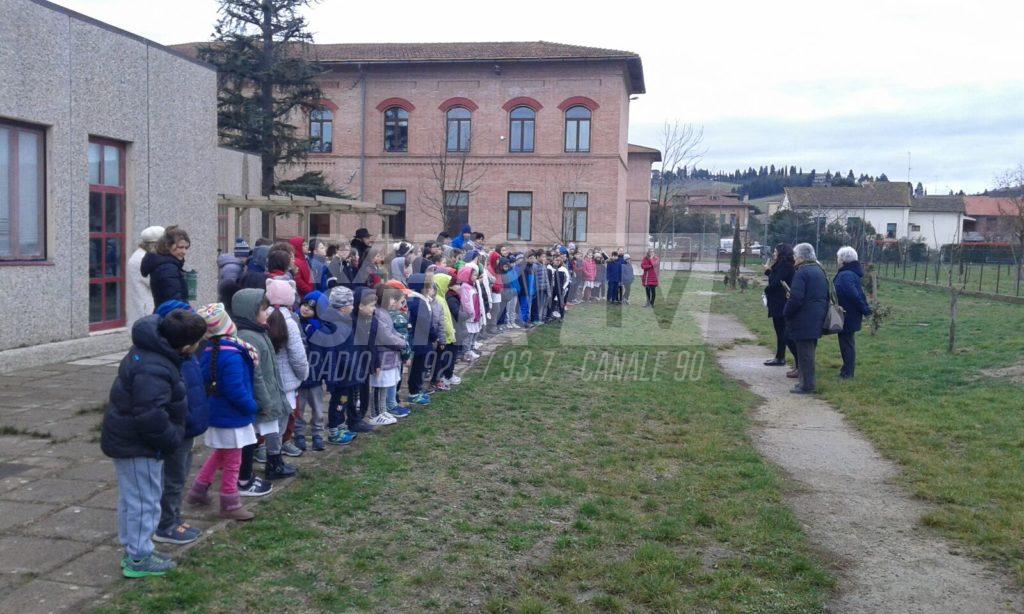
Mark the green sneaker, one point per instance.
(149, 566)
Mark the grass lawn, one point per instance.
(958, 434)
(559, 479)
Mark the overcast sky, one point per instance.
(835, 85)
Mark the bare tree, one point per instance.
(571, 181)
(682, 145)
(956, 281)
(1011, 209)
(450, 175)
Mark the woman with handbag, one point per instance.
(780, 275)
(850, 296)
(805, 312)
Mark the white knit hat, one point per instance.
(152, 234)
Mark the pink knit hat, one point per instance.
(218, 322)
(281, 292)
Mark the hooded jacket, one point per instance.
(232, 403)
(494, 272)
(148, 399)
(441, 282)
(292, 364)
(388, 344)
(649, 277)
(255, 274)
(423, 335)
(627, 272)
(398, 268)
(166, 277)
(850, 296)
(268, 391)
(589, 269)
(304, 276)
(229, 268)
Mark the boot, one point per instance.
(277, 469)
(231, 508)
(199, 494)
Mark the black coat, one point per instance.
(782, 271)
(166, 277)
(850, 296)
(808, 302)
(148, 400)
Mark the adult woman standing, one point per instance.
(649, 277)
(805, 312)
(164, 267)
(779, 271)
(850, 296)
(139, 294)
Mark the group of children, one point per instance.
(240, 373)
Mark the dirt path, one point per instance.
(846, 499)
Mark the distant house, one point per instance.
(888, 206)
(725, 208)
(937, 220)
(989, 218)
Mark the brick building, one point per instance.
(531, 138)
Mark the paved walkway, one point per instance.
(58, 493)
(847, 500)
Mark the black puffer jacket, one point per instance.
(166, 277)
(148, 400)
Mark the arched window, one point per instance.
(522, 121)
(577, 129)
(396, 129)
(321, 130)
(458, 129)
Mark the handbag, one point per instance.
(834, 315)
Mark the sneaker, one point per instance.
(391, 415)
(181, 534)
(300, 442)
(454, 380)
(477, 345)
(318, 443)
(399, 412)
(289, 448)
(340, 437)
(277, 469)
(256, 487)
(261, 454)
(420, 398)
(442, 385)
(149, 566)
(382, 420)
(473, 355)
(362, 427)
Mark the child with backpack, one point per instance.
(228, 366)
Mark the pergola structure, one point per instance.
(303, 206)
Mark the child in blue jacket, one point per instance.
(228, 367)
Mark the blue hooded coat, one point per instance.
(148, 399)
(850, 296)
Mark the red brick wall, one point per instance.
(547, 172)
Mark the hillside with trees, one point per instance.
(767, 180)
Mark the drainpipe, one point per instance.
(362, 137)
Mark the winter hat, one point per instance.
(403, 249)
(167, 307)
(152, 234)
(242, 248)
(470, 256)
(341, 297)
(281, 292)
(218, 322)
(466, 229)
(362, 233)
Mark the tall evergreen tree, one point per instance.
(265, 73)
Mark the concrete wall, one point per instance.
(547, 172)
(937, 228)
(78, 78)
(239, 173)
